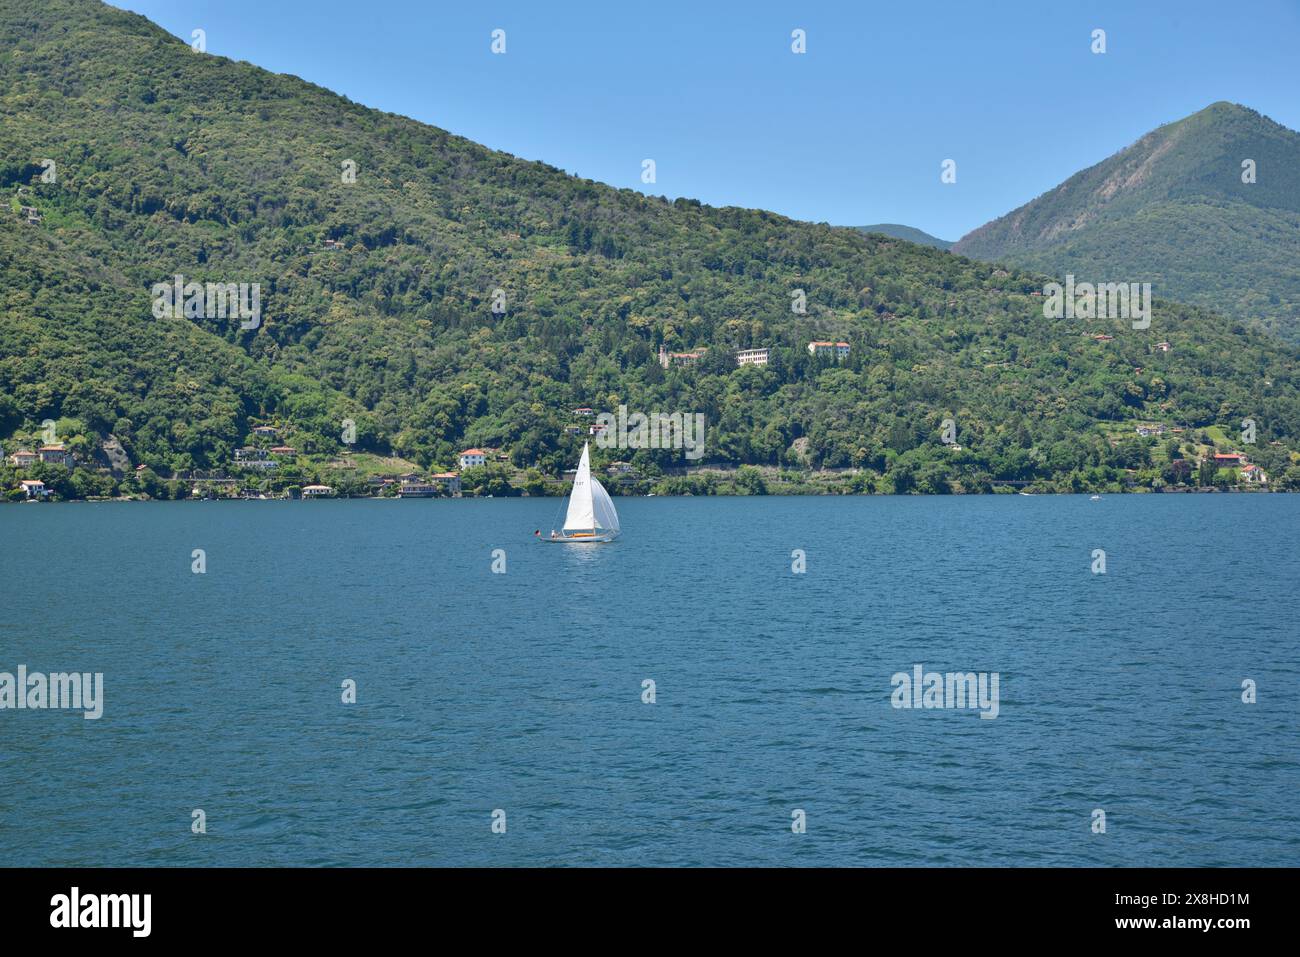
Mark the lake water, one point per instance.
(523, 691)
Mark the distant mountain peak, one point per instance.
(909, 233)
(1206, 207)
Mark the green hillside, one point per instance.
(377, 301)
(1172, 210)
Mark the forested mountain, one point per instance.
(1183, 209)
(910, 233)
(377, 297)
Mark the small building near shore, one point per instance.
(34, 488)
(417, 489)
(450, 481)
(1254, 475)
(317, 491)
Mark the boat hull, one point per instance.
(600, 538)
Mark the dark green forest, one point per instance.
(377, 301)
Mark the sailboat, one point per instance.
(591, 516)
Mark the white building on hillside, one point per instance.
(840, 350)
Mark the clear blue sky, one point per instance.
(852, 132)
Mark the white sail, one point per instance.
(606, 517)
(581, 516)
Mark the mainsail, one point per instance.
(581, 516)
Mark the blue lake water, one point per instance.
(523, 691)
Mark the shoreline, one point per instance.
(1088, 493)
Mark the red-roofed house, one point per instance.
(56, 455)
(23, 458)
(838, 349)
(471, 458)
(448, 480)
(1254, 475)
(667, 358)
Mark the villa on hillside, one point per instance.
(472, 458)
(56, 455)
(265, 430)
(840, 350)
(24, 458)
(752, 357)
(1156, 429)
(254, 459)
(283, 450)
(667, 358)
(1249, 473)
